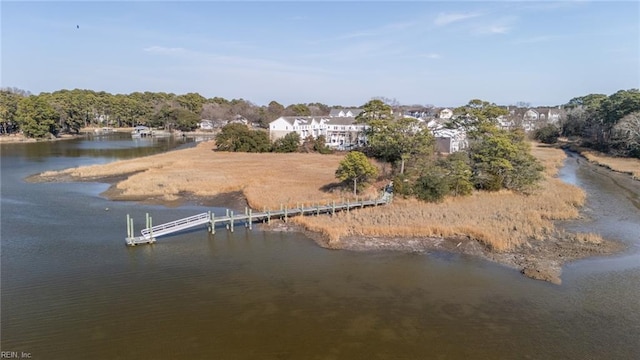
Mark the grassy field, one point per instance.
(500, 220)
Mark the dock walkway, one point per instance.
(150, 233)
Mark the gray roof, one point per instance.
(291, 119)
(341, 120)
(336, 112)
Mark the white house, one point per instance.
(450, 140)
(340, 132)
(344, 133)
(445, 113)
(302, 125)
(206, 124)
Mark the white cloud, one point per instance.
(499, 26)
(445, 19)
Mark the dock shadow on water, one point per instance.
(71, 289)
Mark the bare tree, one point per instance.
(627, 132)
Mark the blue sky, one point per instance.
(337, 53)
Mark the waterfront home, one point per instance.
(340, 132)
(206, 125)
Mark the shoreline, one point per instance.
(21, 139)
(542, 260)
(540, 255)
(627, 166)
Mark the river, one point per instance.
(71, 289)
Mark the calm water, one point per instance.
(71, 289)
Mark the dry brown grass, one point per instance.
(624, 165)
(501, 220)
(551, 158)
(267, 180)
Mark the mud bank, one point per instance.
(539, 260)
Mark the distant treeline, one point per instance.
(609, 124)
(67, 111)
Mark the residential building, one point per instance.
(445, 113)
(340, 132)
(206, 124)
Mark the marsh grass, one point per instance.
(266, 179)
(500, 220)
(625, 165)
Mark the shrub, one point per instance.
(433, 185)
(547, 134)
(287, 144)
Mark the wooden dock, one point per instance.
(150, 233)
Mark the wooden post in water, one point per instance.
(269, 217)
(285, 214)
(150, 227)
(231, 221)
(147, 220)
(250, 222)
(128, 226)
(212, 222)
(132, 231)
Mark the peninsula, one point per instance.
(510, 228)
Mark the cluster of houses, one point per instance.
(340, 128)
(342, 132)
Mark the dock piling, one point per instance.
(128, 226)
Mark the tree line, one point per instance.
(610, 124)
(67, 111)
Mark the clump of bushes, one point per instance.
(547, 134)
